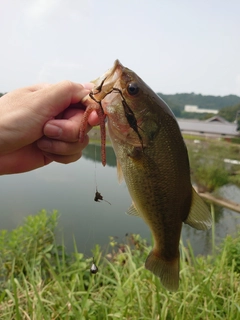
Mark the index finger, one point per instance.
(59, 96)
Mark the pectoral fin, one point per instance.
(119, 172)
(199, 217)
(132, 211)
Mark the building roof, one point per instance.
(215, 127)
(217, 118)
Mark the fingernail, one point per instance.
(44, 144)
(52, 131)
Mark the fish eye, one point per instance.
(133, 88)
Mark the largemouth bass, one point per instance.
(153, 159)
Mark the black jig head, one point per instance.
(99, 197)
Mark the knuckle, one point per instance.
(68, 84)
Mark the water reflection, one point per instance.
(71, 189)
(93, 152)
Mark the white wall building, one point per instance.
(190, 108)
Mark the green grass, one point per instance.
(208, 169)
(193, 137)
(40, 281)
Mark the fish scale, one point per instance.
(153, 159)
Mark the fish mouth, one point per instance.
(111, 82)
(104, 85)
(116, 70)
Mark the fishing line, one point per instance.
(93, 268)
(95, 164)
(91, 234)
(91, 230)
(97, 197)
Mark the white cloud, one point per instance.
(58, 70)
(39, 8)
(43, 9)
(238, 84)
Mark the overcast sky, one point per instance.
(174, 46)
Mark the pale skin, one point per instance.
(40, 124)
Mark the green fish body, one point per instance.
(153, 159)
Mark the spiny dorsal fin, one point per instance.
(199, 217)
(132, 211)
(119, 172)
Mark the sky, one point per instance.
(174, 46)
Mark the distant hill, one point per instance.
(228, 105)
(179, 100)
(231, 113)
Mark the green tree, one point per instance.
(238, 120)
(202, 101)
(231, 113)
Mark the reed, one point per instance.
(39, 280)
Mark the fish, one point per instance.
(153, 160)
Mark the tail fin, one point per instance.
(167, 271)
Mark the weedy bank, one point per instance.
(213, 162)
(39, 280)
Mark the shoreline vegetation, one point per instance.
(40, 281)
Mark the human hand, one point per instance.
(40, 124)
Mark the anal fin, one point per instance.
(132, 211)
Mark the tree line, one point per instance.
(228, 106)
(202, 101)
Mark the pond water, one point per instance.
(71, 189)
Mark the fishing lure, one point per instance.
(99, 197)
(94, 268)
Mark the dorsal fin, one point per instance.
(199, 217)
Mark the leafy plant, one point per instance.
(54, 285)
(208, 169)
(27, 244)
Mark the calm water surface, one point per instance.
(71, 189)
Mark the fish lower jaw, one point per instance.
(117, 135)
(125, 140)
(86, 98)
